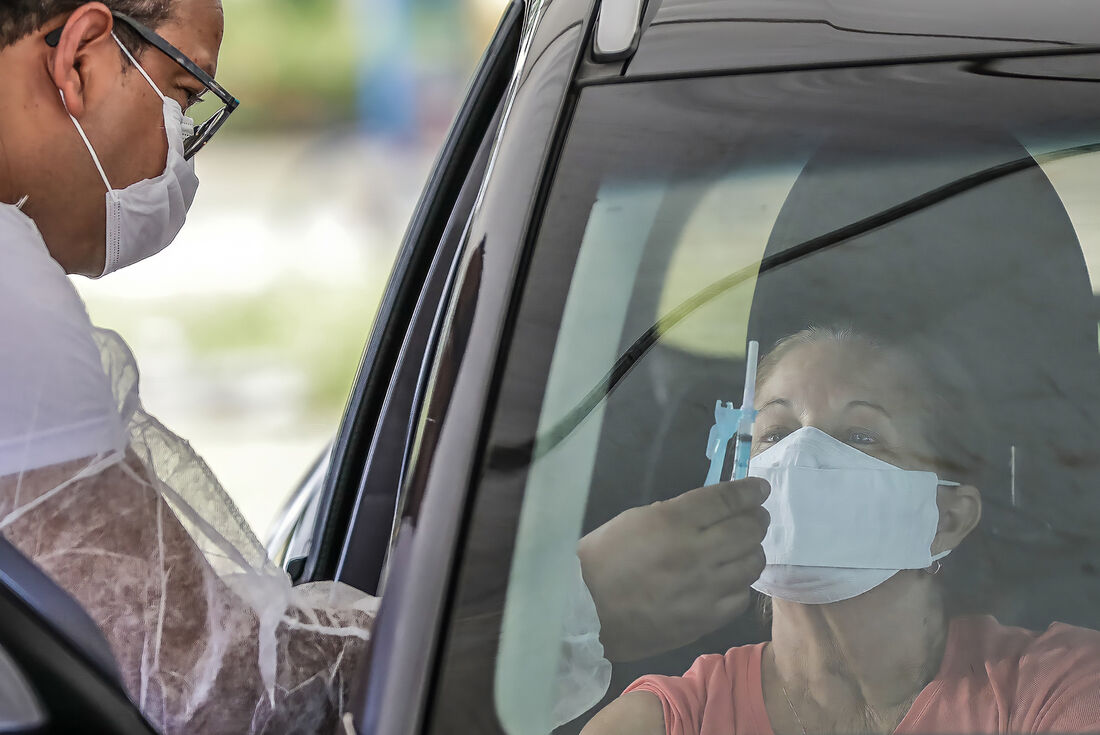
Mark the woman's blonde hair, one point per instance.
(954, 424)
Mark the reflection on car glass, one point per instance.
(927, 422)
(524, 453)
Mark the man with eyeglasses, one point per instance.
(68, 93)
(96, 173)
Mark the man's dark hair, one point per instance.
(19, 18)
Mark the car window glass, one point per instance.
(912, 250)
(1074, 178)
(728, 229)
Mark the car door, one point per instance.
(398, 677)
(57, 672)
(635, 391)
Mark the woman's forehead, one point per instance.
(827, 372)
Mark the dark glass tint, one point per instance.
(945, 215)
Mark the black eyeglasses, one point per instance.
(203, 131)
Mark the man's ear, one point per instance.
(960, 510)
(87, 33)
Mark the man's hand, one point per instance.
(663, 575)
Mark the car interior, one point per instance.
(1009, 294)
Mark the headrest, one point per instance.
(963, 245)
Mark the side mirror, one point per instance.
(290, 537)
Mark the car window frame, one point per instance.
(350, 455)
(375, 519)
(399, 694)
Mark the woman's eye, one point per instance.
(771, 436)
(859, 436)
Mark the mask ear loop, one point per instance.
(187, 125)
(87, 143)
(936, 566)
(138, 66)
(80, 128)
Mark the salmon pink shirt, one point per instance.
(993, 679)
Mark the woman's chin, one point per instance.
(819, 585)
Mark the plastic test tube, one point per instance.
(748, 415)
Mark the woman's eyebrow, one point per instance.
(868, 404)
(776, 402)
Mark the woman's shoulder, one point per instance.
(1043, 665)
(1062, 635)
(708, 670)
(634, 713)
(690, 702)
(1067, 651)
(1048, 681)
(989, 639)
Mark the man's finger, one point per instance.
(705, 506)
(738, 575)
(756, 518)
(732, 539)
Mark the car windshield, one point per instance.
(916, 251)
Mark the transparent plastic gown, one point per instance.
(210, 636)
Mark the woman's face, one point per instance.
(871, 399)
(865, 397)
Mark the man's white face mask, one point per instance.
(842, 522)
(145, 217)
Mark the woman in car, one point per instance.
(855, 648)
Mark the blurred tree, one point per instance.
(299, 64)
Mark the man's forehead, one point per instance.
(195, 28)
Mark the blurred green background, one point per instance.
(298, 63)
(292, 61)
(249, 328)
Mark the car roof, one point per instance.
(1051, 20)
(686, 36)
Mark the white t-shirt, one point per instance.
(56, 402)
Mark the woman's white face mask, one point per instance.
(145, 217)
(842, 522)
